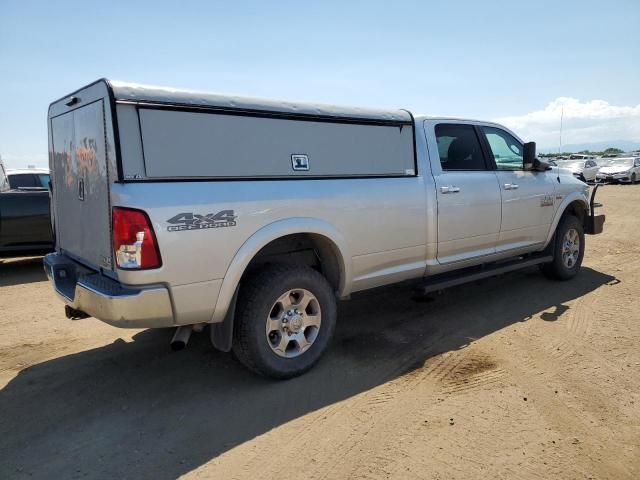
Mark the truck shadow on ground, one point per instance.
(16, 271)
(138, 410)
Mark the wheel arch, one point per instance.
(324, 236)
(576, 204)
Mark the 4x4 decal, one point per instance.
(193, 221)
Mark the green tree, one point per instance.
(613, 150)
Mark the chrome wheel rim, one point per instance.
(293, 323)
(570, 248)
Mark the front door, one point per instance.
(468, 195)
(527, 196)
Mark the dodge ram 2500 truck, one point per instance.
(179, 209)
(25, 223)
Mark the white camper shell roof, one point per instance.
(131, 92)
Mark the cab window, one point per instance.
(506, 150)
(23, 180)
(459, 147)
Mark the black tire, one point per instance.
(557, 269)
(256, 300)
(633, 178)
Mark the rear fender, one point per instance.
(266, 235)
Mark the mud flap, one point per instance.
(593, 224)
(222, 333)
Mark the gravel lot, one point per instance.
(511, 377)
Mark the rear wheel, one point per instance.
(567, 250)
(284, 321)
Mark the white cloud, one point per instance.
(583, 122)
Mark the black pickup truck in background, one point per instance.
(25, 219)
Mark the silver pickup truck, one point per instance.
(179, 209)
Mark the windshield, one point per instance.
(619, 162)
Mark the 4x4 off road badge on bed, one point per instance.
(193, 221)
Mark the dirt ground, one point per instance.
(511, 377)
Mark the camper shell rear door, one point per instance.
(82, 158)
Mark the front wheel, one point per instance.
(567, 250)
(633, 178)
(284, 320)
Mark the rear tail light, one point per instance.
(134, 243)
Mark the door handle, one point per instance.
(450, 189)
(510, 186)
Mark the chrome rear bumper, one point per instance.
(106, 299)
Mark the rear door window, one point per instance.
(459, 147)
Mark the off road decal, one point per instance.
(193, 221)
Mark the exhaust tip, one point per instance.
(181, 337)
(178, 345)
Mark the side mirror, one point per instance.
(529, 160)
(529, 155)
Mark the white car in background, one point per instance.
(585, 170)
(28, 178)
(621, 169)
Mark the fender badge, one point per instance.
(193, 221)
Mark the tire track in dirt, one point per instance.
(365, 410)
(567, 418)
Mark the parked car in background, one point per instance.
(25, 219)
(28, 178)
(581, 156)
(585, 170)
(621, 169)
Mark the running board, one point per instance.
(451, 279)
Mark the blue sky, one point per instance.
(491, 60)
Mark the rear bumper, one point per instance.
(106, 299)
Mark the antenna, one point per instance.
(561, 117)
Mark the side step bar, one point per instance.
(446, 280)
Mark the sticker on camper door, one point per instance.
(300, 163)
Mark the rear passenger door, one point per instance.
(528, 197)
(467, 192)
